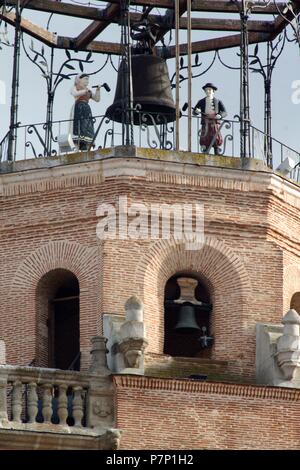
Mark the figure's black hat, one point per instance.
(210, 85)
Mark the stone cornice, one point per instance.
(160, 167)
(49, 437)
(216, 388)
(125, 152)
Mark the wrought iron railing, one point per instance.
(150, 131)
(270, 149)
(4, 147)
(294, 174)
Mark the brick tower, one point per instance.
(230, 382)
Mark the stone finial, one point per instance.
(288, 345)
(126, 338)
(98, 352)
(291, 317)
(132, 334)
(134, 309)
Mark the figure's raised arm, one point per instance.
(96, 94)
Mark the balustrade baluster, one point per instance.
(78, 406)
(3, 399)
(47, 405)
(62, 404)
(17, 401)
(32, 402)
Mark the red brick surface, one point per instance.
(250, 261)
(173, 414)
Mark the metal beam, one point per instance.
(102, 47)
(282, 21)
(95, 28)
(32, 29)
(218, 6)
(230, 7)
(62, 8)
(51, 39)
(90, 33)
(218, 43)
(181, 11)
(105, 47)
(210, 24)
(60, 42)
(63, 42)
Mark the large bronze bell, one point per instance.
(151, 90)
(186, 320)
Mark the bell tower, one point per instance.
(149, 255)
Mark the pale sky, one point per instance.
(32, 99)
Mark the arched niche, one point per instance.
(58, 320)
(295, 302)
(187, 321)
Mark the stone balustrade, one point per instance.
(33, 396)
(44, 405)
(51, 397)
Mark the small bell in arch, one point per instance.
(187, 320)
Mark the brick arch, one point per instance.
(226, 278)
(291, 288)
(295, 302)
(84, 263)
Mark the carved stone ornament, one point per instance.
(288, 345)
(102, 408)
(132, 350)
(126, 338)
(111, 439)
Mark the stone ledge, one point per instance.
(166, 358)
(13, 439)
(153, 166)
(56, 429)
(163, 365)
(181, 157)
(43, 375)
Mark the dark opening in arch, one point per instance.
(189, 344)
(58, 321)
(295, 302)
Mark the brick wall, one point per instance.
(176, 414)
(249, 262)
